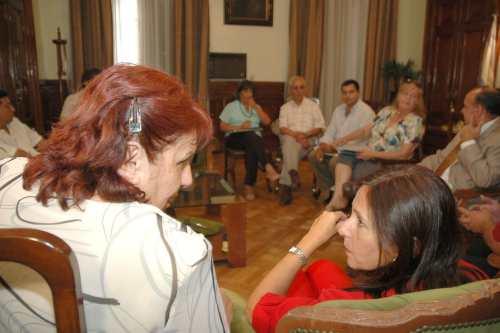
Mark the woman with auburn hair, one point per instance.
(402, 236)
(394, 134)
(100, 183)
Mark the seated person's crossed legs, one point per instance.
(255, 155)
(324, 170)
(292, 152)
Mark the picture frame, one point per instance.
(248, 12)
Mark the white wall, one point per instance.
(411, 29)
(48, 16)
(266, 47)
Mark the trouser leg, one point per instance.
(291, 151)
(240, 141)
(343, 173)
(255, 145)
(365, 168)
(322, 170)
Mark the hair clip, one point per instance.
(134, 117)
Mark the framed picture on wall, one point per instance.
(248, 12)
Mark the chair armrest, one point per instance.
(467, 194)
(468, 306)
(240, 322)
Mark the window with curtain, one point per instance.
(126, 27)
(343, 55)
(143, 31)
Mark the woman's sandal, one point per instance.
(273, 184)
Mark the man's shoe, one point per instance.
(295, 179)
(285, 195)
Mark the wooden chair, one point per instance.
(472, 307)
(53, 259)
(468, 194)
(230, 158)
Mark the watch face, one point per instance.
(299, 253)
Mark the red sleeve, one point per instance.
(272, 307)
(496, 232)
(322, 280)
(321, 274)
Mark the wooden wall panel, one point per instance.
(456, 32)
(18, 61)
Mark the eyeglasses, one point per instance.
(298, 87)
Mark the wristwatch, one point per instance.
(299, 253)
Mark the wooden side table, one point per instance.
(221, 204)
(233, 216)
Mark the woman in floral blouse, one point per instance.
(393, 135)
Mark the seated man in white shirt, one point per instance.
(71, 102)
(300, 121)
(472, 158)
(349, 116)
(16, 139)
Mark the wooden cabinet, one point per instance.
(18, 62)
(269, 95)
(456, 33)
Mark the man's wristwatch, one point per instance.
(299, 253)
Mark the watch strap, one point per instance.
(299, 253)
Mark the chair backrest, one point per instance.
(54, 260)
(473, 307)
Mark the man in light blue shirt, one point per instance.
(351, 115)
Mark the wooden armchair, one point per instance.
(468, 194)
(473, 307)
(53, 259)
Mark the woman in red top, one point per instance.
(402, 235)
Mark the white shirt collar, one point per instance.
(487, 125)
(354, 108)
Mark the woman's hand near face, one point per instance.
(475, 220)
(278, 280)
(251, 103)
(490, 204)
(323, 228)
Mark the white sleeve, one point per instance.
(319, 121)
(35, 138)
(7, 150)
(283, 117)
(33, 135)
(331, 130)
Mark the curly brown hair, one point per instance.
(83, 153)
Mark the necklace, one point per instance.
(246, 114)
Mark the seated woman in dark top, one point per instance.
(240, 120)
(402, 235)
